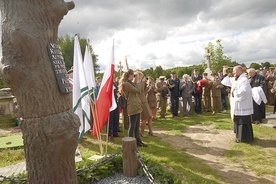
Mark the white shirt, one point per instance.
(241, 95)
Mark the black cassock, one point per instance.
(259, 110)
(243, 128)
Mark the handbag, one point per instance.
(122, 101)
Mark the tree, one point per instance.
(67, 48)
(218, 58)
(266, 65)
(148, 72)
(158, 72)
(256, 66)
(49, 126)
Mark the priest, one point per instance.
(241, 104)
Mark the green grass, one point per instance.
(11, 156)
(258, 156)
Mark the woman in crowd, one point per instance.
(146, 115)
(151, 96)
(134, 105)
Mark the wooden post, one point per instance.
(130, 161)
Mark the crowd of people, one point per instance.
(246, 91)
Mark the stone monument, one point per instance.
(208, 57)
(6, 101)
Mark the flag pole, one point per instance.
(96, 120)
(92, 106)
(107, 130)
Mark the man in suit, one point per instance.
(197, 92)
(173, 84)
(206, 93)
(223, 90)
(186, 88)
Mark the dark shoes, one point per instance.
(111, 139)
(143, 135)
(256, 122)
(117, 135)
(141, 144)
(151, 134)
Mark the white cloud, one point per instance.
(174, 33)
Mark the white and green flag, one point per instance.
(89, 73)
(81, 100)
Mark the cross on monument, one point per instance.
(120, 66)
(126, 63)
(208, 56)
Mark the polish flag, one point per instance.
(105, 101)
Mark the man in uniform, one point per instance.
(162, 95)
(173, 84)
(216, 94)
(270, 78)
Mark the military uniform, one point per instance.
(207, 97)
(162, 94)
(270, 78)
(216, 95)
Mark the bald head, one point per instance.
(251, 72)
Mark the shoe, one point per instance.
(111, 139)
(143, 135)
(141, 145)
(151, 134)
(257, 122)
(117, 135)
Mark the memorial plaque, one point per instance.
(59, 68)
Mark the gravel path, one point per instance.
(121, 179)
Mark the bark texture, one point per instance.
(131, 164)
(50, 128)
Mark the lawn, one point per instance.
(258, 157)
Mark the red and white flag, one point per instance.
(105, 100)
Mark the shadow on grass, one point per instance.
(264, 143)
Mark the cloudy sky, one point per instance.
(174, 33)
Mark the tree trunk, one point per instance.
(49, 126)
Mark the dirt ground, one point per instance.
(196, 138)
